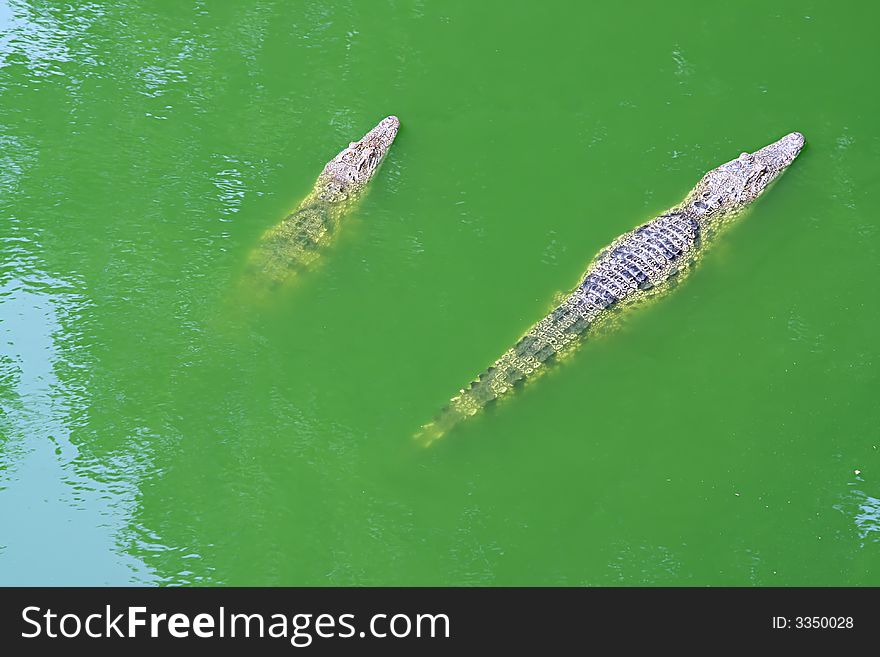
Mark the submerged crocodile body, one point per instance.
(634, 266)
(293, 245)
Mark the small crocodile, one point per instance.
(636, 265)
(293, 245)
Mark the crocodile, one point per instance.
(635, 266)
(295, 244)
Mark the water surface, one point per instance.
(157, 428)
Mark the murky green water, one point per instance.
(157, 428)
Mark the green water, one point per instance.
(156, 427)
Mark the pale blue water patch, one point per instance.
(867, 519)
(43, 36)
(862, 508)
(52, 512)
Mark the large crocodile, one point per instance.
(634, 266)
(293, 245)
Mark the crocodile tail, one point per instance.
(523, 361)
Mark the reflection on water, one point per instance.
(868, 519)
(43, 37)
(60, 511)
(64, 513)
(865, 512)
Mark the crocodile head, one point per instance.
(355, 165)
(734, 185)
